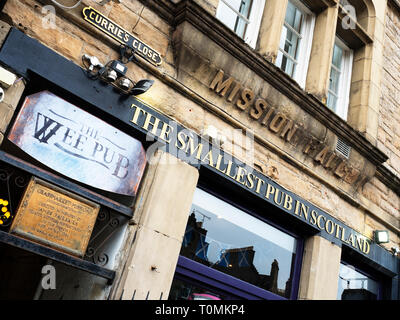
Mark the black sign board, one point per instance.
(116, 32)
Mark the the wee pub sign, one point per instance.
(78, 145)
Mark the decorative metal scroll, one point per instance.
(108, 222)
(14, 181)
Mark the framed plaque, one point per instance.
(54, 217)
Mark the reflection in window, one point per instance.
(235, 14)
(227, 239)
(242, 16)
(340, 78)
(336, 70)
(354, 285)
(290, 40)
(182, 290)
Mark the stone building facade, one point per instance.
(307, 148)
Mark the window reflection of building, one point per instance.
(358, 294)
(354, 285)
(237, 262)
(182, 290)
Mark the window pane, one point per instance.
(291, 44)
(229, 240)
(182, 290)
(227, 15)
(354, 285)
(286, 64)
(337, 57)
(241, 24)
(235, 4)
(230, 14)
(332, 102)
(334, 81)
(245, 8)
(293, 17)
(291, 39)
(240, 27)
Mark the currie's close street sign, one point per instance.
(116, 32)
(78, 145)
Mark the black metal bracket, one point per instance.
(58, 256)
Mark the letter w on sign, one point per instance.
(45, 128)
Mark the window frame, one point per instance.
(209, 276)
(254, 21)
(346, 72)
(304, 49)
(379, 296)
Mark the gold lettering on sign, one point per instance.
(259, 110)
(219, 86)
(246, 98)
(190, 143)
(320, 157)
(234, 92)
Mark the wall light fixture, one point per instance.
(114, 72)
(381, 236)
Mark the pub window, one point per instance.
(357, 285)
(295, 43)
(340, 79)
(243, 17)
(225, 241)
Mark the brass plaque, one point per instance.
(55, 217)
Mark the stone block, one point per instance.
(321, 263)
(161, 214)
(13, 94)
(209, 5)
(166, 209)
(123, 16)
(271, 28)
(6, 113)
(54, 37)
(156, 21)
(4, 29)
(151, 36)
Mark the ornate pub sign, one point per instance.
(78, 145)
